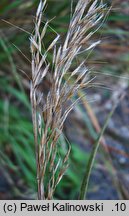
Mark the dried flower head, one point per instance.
(66, 82)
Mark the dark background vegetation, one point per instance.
(109, 62)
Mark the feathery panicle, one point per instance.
(66, 81)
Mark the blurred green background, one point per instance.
(109, 62)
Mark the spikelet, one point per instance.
(66, 82)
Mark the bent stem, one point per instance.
(89, 166)
(35, 127)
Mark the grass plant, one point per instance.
(15, 127)
(50, 111)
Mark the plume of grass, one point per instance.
(50, 111)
